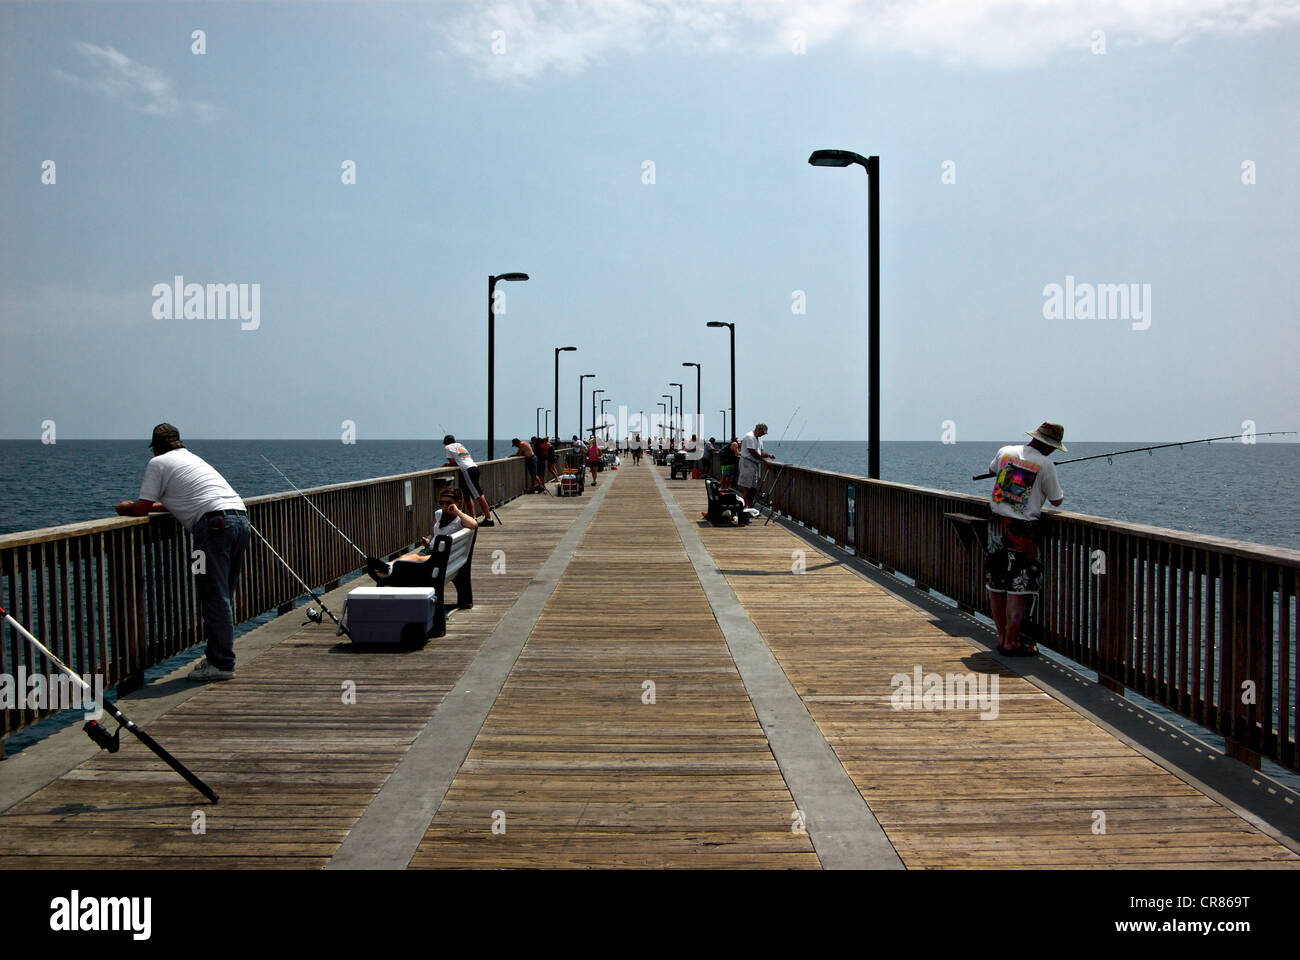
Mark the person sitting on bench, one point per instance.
(446, 520)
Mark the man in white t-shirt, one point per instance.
(752, 456)
(458, 456)
(1013, 574)
(185, 486)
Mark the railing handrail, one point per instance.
(24, 538)
(1224, 545)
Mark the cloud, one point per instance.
(537, 36)
(112, 74)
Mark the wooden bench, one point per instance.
(451, 562)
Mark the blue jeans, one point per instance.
(223, 540)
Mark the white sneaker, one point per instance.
(206, 671)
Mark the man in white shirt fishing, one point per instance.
(1013, 573)
(752, 456)
(199, 498)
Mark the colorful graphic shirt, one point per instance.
(1025, 480)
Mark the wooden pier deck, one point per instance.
(530, 736)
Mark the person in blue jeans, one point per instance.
(184, 485)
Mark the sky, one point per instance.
(360, 170)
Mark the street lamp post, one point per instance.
(661, 421)
(732, 328)
(671, 431)
(699, 427)
(537, 422)
(725, 438)
(680, 415)
(492, 323)
(603, 425)
(843, 158)
(557, 415)
(593, 409)
(546, 423)
(558, 351)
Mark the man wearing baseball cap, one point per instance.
(1013, 573)
(183, 485)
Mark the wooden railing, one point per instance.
(113, 597)
(1203, 625)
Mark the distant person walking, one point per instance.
(752, 456)
(1013, 572)
(594, 459)
(201, 500)
(525, 450)
(635, 445)
(458, 456)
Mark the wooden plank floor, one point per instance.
(950, 789)
(295, 766)
(584, 773)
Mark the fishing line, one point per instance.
(364, 555)
(112, 741)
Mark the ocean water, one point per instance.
(1228, 489)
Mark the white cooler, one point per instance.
(382, 614)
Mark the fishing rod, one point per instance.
(767, 498)
(112, 742)
(364, 555)
(771, 501)
(313, 614)
(1157, 446)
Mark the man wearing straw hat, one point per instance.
(1013, 572)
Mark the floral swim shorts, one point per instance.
(1012, 564)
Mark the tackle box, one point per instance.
(389, 614)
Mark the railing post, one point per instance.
(1113, 607)
(126, 613)
(1239, 722)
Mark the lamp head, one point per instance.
(566, 348)
(835, 158)
(718, 323)
(512, 276)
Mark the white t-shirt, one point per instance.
(751, 447)
(1025, 479)
(187, 487)
(449, 529)
(457, 452)
(693, 451)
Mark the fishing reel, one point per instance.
(111, 742)
(314, 615)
